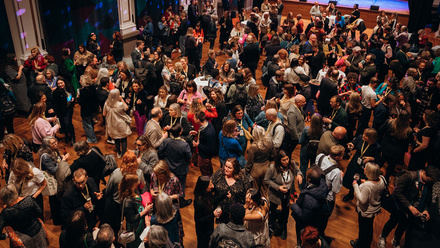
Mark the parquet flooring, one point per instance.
(343, 225)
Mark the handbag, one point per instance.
(303, 77)
(110, 163)
(52, 184)
(125, 236)
(247, 134)
(386, 199)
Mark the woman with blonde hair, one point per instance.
(196, 106)
(35, 63)
(28, 180)
(88, 100)
(167, 72)
(175, 117)
(368, 194)
(161, 99)
(121, 65)
(117, 121)
(167, 216)
(132, 209)
(15, 148)
(254, 101)
(260, 152)
(113, 201)
(284, 59)
(227, 74)
(40, 126)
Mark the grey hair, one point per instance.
(105, 236)
(103, 72)
(8, 194)
(165, 210)
(157, 236)
(113, 98)
(372, 171)
(85, 80)
(176, 107)
(261, 140)
(45, 147)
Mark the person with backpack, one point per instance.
(275, 130)
(238, 92)
(333, 178)
(306, 208)
(7, 110)
(309, 141)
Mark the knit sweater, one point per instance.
(368, 197)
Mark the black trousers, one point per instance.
(280, 218)
(7, 122)
(398, 219)
(365, 231)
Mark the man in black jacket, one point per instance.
(412, 193)
(177, 153)
(82, 195)
(327, 89)
(250, 55)
(206, 143)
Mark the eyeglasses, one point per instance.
(80, 183)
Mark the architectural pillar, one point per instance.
(127, 26)
(26, 29)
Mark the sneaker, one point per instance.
(119, 155)
(382, 243)
(396, 243)
(111, 142)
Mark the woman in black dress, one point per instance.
(422, 151)
(93, 45)
(62, 98)
(139, 105)
(204, 212)
(116, 48)
(75, 234)
(21, 214)
(367, 150)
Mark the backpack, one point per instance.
(326, 171)
(240, 95)
(312, 148)
(110, 163)
(228, 243)
(287, 143)
(141, 73)
(7, 107)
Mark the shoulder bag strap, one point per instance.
(122, 214)
(99, 154)
(85, 241)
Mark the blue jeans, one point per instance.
(87, 123)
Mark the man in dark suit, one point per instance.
(188, 69)
(193, 13)
(338, 115)
(327, 89)
(137, 53)
(82, 195)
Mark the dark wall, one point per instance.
(6, 44)
(68, 23)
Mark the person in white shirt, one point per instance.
(276, 136)
(315, 10)
(333, 177)
(368, 101)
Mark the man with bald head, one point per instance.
(275, 130)
(153, 130)
(40, 85)
(295, 119)
(329, 139)
(308, 46)
(315, 10)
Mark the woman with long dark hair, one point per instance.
(81, 59)
(116, 48)
(63, 103)
(280, 179)
(204, 212)
(256, 219)
(17, 80)
(309, 141)
(138, 105)
(93, 44)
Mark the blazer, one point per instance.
(274, 180)
(154, 133)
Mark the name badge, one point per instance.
(123, 95)
(359, 161)
(241, 132)
(330, 126)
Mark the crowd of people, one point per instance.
(325, 84)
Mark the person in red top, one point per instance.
(208, 109)
(35, 63)
(300, 24)
(200, 37)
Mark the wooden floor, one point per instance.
(343, 225)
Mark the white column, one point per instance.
(127, 25)
(25, 24)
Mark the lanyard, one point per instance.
(364, 150)
(334, 112)
(387, 91)
(173, 122)
(86, 196)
